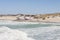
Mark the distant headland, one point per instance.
(54, 17)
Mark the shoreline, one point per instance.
(30, 21)
(45, 18)
(36, 21)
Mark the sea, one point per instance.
(12, 30)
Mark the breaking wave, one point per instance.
(46, 33)
(13, 34)
(16, 31)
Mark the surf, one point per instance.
(13, 34)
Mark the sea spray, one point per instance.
(12, 34)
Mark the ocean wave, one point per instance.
(45, 33)
(13, 34)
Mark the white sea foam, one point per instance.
(39, 33)
(44, 33)
(4, 22)
(13, 34)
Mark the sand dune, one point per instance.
(33, 18)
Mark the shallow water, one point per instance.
(10, 30)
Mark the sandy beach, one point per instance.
(32, 18)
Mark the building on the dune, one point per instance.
(24, 17)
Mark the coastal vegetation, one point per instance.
(30, 17)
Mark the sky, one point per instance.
(29, 6)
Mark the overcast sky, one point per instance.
(29, 6)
